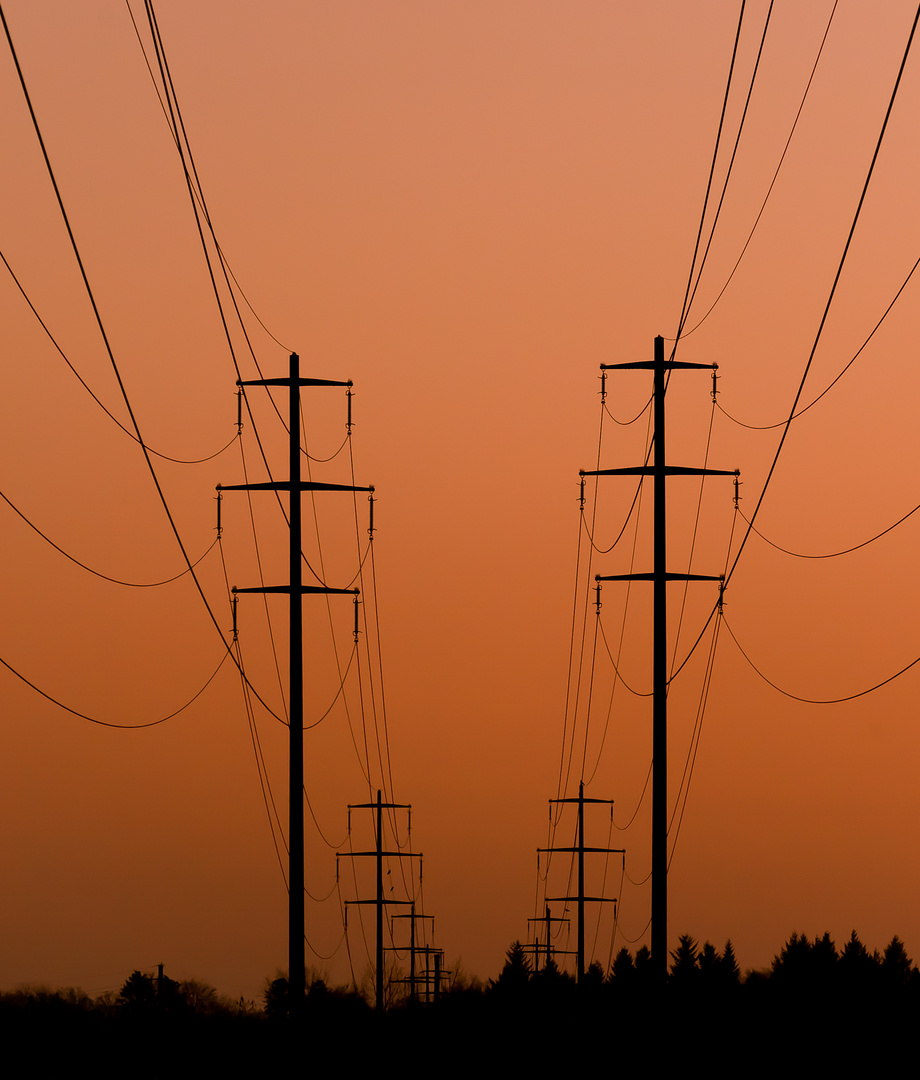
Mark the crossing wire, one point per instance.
(686, 333)
(98, 573)
(107, 723)
(131, 435)
(830, 298)
(818, 701)
(107, 345)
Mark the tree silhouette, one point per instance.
(896, 965)
(730, 974)
(623, 970)
(684, 970)
(516, 973)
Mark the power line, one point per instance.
(830, 298)
(830, 554)
(99, 574)
(107, 723)
(833, 383)
(686, 333)
(817, 701)
(131, 435)
(731, 163)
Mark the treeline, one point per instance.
(816, 1004)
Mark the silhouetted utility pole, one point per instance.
(379, 854)
(413, 948)
(581, 851)
(659, 471)
(549, 951)
(295, 589)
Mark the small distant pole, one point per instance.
(380, 901)
(581, 851)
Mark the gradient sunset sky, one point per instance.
(465, 208)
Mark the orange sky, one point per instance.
(464, 208)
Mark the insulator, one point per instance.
(239, 411)
(597, 600)
(219, 501)
(581, 492)
(715, 377)
(737, 485)
(603, 387)
(234, 602)
(349, 395)
(356, 618)
(370, 527)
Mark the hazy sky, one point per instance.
(465, 208)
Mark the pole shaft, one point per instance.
(660, 688)
(379, 1001)
(581, 882)
(296, 969)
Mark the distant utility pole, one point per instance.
(379, 901)
(295, 589)
(659, 471)
(549, 951)
(413, 917)
(581, 851)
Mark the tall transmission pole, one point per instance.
(296, 590)
(659, 471)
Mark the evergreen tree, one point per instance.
(516, 973)
(623, 970)
(684, 970)
(709, 964)
(730, 973)
(896, 965)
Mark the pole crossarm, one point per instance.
(577, 799)
(286, 485)
(287, 589)
(585, 899)
(654, 577)
(587, 850)
(383, 854)
(387, 903)
(383, 806)
(653, 365)
(294, 382)
(650, 470)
